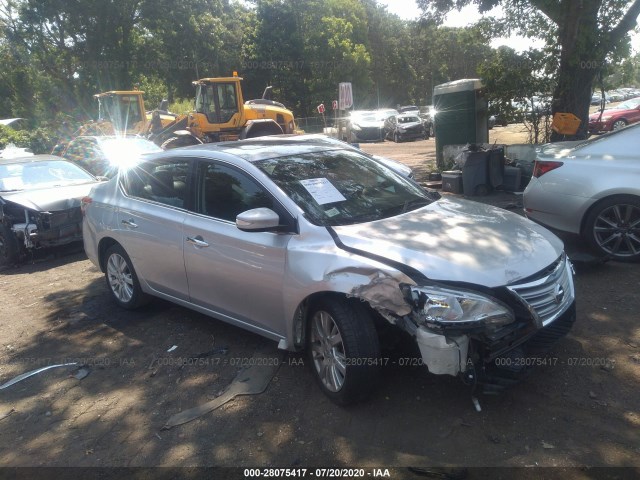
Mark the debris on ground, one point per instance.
(19, 378)
(250, 381)
(80, 372)
(5, 415)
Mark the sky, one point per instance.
(408, 10)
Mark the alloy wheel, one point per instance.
(327, 350)
(120, 278)
(617, 125)
(617, 230)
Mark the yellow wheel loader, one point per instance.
(220, 114)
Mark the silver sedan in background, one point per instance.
(311, 243)
(591, 188)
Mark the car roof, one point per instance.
(273, 146)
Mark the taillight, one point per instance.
(84, 204)
(541, 167)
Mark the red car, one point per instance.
(617, 117)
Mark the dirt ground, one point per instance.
(580, 410)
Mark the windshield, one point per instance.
(26, 176)
(408, 119)
(342, 187)
(628, 105)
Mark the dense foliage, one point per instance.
(583, 39)
(56, 54)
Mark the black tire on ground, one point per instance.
(612, 228)
(122, 280)
(263, 129)
(9, 250)
(343, 349)
(177, 142)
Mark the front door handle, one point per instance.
(197, 241)
(130, 223)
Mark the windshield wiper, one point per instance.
(417, 202)
(365, 217)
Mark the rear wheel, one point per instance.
(122, 279)
(8, 246)
(343, 349)
(177, 142)
(613, 228)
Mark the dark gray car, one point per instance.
(404, 127)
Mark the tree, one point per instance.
(515, 82)
(584, 35)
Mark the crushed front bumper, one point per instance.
(545, 310)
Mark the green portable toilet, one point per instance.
(462, 115)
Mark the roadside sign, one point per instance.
(334, 104)
(321, 108)
(345, 95)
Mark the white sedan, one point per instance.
(591, 188)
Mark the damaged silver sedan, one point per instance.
(315, 245)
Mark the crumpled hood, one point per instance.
(459, 240)
(50, 199)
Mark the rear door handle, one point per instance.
(130, 223)
(197, 241)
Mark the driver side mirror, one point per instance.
(258, 220)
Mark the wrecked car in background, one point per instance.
(40, 204)
(405, 127)
(322, 248)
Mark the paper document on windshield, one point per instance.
(322, 190)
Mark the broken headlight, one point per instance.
(442, 306)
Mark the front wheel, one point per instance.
(612, 228)
(618, 124)
(343, 349)
(122, 280)
(9, 250)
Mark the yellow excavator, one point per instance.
(220, 114)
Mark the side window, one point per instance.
(162, 181)
(224, 192)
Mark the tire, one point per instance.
(177, 142)
(122, 280)
(612, 228)
(343, 349)
(261, 129)
(618, 124)
(9, 250)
